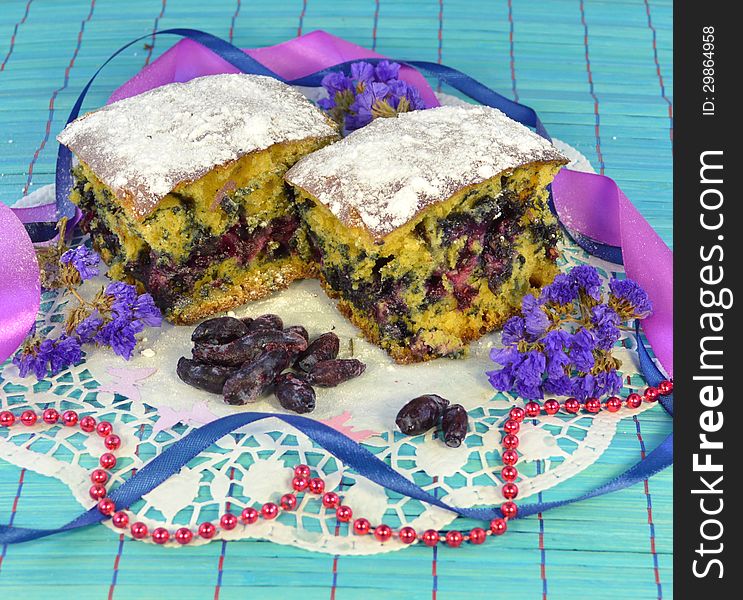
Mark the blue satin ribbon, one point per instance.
(350, 453)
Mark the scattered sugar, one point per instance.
(388, 171)
(142, 147)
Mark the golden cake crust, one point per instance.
(383, 175)
(144, 146)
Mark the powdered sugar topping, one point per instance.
(142, 147)
(388, 171)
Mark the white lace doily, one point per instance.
(151, 408)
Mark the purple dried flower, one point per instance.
(582, 344)
(119, 334)
(513, 331)
(586, 278)
(536, 320)
(559, 386)
(561, 291)
(362, 71)
(583, 387)
(336, 82)
(366, 103)
(557, 359)
(84, 260)
(627, 291)
(606, 323)
(65, 352)
(88, 328)
(386, 70)
(54, 355)
(30, 360)
(529, 375)
(400, 89)
(146, 312)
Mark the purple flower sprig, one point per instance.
(368, 93)
(112, 318)
(561, 341)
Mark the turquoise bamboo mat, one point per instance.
(600, 75)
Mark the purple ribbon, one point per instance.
(576, 195)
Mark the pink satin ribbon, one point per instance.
(589, 204)
(20, 287)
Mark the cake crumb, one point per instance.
(148, 353)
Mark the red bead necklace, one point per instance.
(303, 482)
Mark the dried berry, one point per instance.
(219, 330)
(233, 354)
(294, 393)
(205, 377)
(323, 348)
(298, 329)
(421, 414)
(249, 347)
(253, 378)
(267, 321)
(329, 373)
(454, 425)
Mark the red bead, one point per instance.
(330, 500)
(300, 483)
(249, 515)
(613, 404)
(50, 416)
(87, 424)
(509, 473)
(407, 535)
(270, 510)
(651, 394)
(228, 521)
(510, 441)
(184, 535)
(510, 457)
(498, 526)
(593, 405)
(517, 414)
(160, 535)
(97, 491)
(207, 530)
(509, 509)
(532, 409)
(139, 530)
(99, 476)
(510, 491)
(106, 506)
(69, 418)
(572, 405)
(107, 460)
(302, 471)
(511, 426)
(478, 535)
(665, 388)
(343, 513)
(634, 400)
(7, 418)
(430, 537)
(361, 526)
(382, 532)
(104, 428)
(120, 519)
(551, 407)
(454, 538)
(28, 418)
(316, 485)
(112, 442)
(288, 502)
